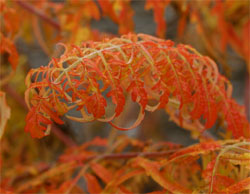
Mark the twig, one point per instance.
(60, 135)
(55, 130)
(38, 13)
(134, 154)
(118, 156)
(15, 96)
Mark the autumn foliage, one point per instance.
(185, 83)
(96, 76)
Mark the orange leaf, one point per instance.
(196, 149)
(238, 187)
(6, 45)
(118, 180)
(92, 184)
(102, 172)
(152, 169)
(4, 113)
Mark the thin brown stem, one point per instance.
(60, 135)
(64, 167)
(134, 154)
(11, 92)
(38, 13)
(118, 156)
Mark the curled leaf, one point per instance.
(182, 81)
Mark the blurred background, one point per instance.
(30, 31)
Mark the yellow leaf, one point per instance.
(238, 159)
(82, 34)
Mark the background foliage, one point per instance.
(156, 156)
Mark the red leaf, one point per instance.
(236, 119)
(92, 184)
(34, 122)
(159, 10)
(6, 45)
(102, 172)
(96, 105)
(164, 98)
(118, 99)
(48, 109)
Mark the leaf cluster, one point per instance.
(182, 81)
(129, 163)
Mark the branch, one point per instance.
(38, 13)
(134, 154)
(63, 167)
